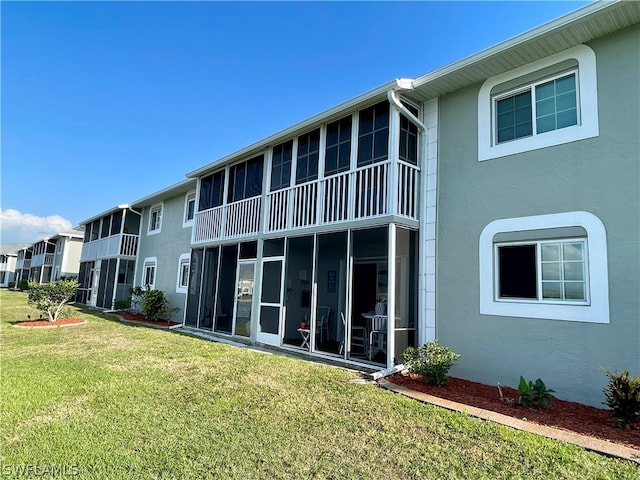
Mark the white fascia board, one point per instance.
(529, 36)
(173, 190)
(103, 214)
(343, 108)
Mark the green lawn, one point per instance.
(113, 401)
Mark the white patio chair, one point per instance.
(322, 322)
(358, 336)
(378, 335)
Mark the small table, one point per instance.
(305, 333)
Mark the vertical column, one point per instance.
(428, 331)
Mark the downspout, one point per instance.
(392, 96)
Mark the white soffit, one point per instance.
(593, 21)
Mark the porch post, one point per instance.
(391, 294)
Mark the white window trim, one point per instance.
(185, 257)
(159, 229)
(149, 262)
(185, 222)
(587, 103)
(597, 311)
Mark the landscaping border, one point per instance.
(589, 443)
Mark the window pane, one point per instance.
(381, 146)
(331, 160)
(551, 290)
(567, 118)
(332, 133)
(573, 271)
(366, 121)
(566, 84)
(514, 117)
(574, 291)
(345, 129)
(566, 101)
(545, 91)
(381, 116)
(545, 107)
(546, 124)
(556, 104)
(550, 252)
(551, 271)
(517, 269)
(365, 153)
(345, 154)
(573, 251)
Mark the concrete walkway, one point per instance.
(590, 443)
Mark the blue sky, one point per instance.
(105, 103)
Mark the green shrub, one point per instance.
(432, 360)
(11, 285)
(622, 395)
(122, 304)
(154, 305)
(23, 285)
(50, 298)
(534, 393)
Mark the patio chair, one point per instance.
(358, 336)
(322, 323)
(378, 335)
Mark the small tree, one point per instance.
(50, 298)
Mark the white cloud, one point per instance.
(18, 227)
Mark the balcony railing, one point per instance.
(42, 259)
(383, 189)
(364, 193)
(23, 264)
(125, 245)
(238, 219)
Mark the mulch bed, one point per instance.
(570, 416)
(60, 322)
(131, 317)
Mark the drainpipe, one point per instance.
(392, 96)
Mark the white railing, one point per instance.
(238, 219)
(381, 189)
(42, 259)
(113, 246)
(129, 245)
(364, 193)
(23, 264)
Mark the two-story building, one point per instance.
(56, 257)
(8, 261)
(493, 204)
(108, 258)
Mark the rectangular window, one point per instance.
(245, 180)
(189, 209)
(308, 154)
(338, 149)
(541, 107)
(116, 222)
(281, 165)
(211, 191)
(183, 273)
(545, 271)
(408, 148)
(373, 134)
(149, 278)
(155, 219)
